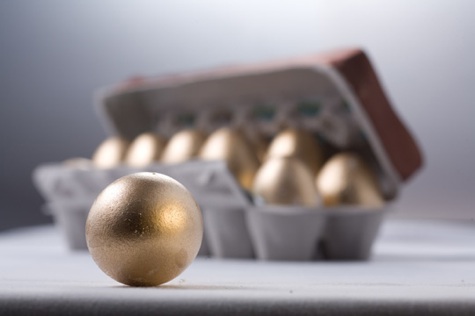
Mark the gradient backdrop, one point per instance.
(53, 54)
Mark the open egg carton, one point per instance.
(335, 96)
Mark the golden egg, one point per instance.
(346, 179)
(110, 152)
(231, 146)
(145, 149)
(78, 163)
(144, 229)
(300, 144)
(183, 146)
(285, 180)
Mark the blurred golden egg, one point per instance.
(110, 152)
(285, 180)
(78, 163)
(144, 229)
(346, 179)
(145, 149)
(183, 146)
(300, 144)
(231, 146)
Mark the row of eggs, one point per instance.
(290, 170)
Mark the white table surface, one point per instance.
(418, 266)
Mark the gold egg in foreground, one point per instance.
(287, 181)
(145, 149)
(110, 152)
(183, 146)
(346, 179)
(144, 229)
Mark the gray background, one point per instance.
(53, 54)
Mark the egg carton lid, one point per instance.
(130, 108)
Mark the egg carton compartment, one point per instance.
(227, 234)
(350, 232)
(285, 232)
(70, 218)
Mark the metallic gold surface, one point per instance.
(183, 146)
(346, 179)
(110, 152)
(231, 146)
(145, 149)
(300, 144)
(286, 180)
(144, 229)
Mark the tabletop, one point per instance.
(417, 266)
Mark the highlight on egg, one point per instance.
(145, 149)
(144, 229)
(347, 179)
(285, 180)
(110, 153)
(297, 143)
(231, 146)
(183, 146)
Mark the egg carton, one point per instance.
(336, 96)
(234, 226)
